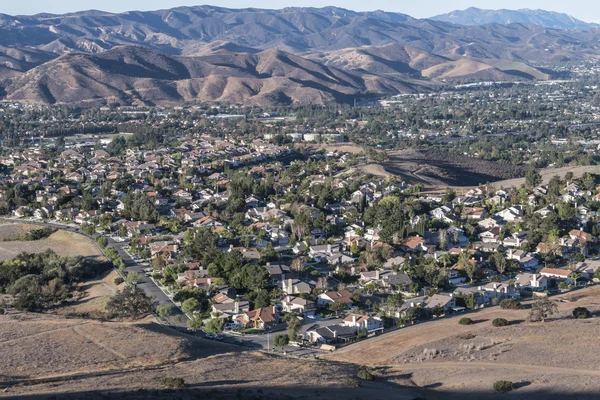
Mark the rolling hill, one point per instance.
(137, 75)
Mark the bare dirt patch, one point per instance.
(95, 294)
(434, 168)
(63, 243)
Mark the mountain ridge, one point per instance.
(193, 54)
(543, 18)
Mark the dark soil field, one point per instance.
(434, 168)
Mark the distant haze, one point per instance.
(585, 10)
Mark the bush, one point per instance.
(102, 242)
(119, 280)
(364, 373)
(172, 383)
(503, 386)
(164, 310)
(465, 321)
(581, 313)
(510, 304)
(352, 382)
(500, 322)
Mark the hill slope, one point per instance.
(136, 75)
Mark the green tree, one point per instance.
(164, 311)
(134, 276)
(293, 326)
(532, 178)
(190, 305)
(214, 326)
(280, 340)
(337, 308)
(194, 323)
(541, 309)
(131, 302)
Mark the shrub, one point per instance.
(581, 313)
(164, 310)
(364, 373)
(352, 382)
(465, 321)
(172, 383)
(510, 304)
(503, 386)
(119, 280)
(499, 322)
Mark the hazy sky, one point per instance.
(587, 10)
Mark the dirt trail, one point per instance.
(494, 365)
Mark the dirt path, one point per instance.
(97, 342)
(489, 365)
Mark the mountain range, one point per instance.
(264, 57)
(546, 19)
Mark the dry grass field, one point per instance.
(10, 231)
(458, 361)
(46, 356)
(64, 243)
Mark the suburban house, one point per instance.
(556, 274)
(447, 303)
(330, 334)
(261, 318)
(295, 286)
(533, 281)
(358, 321)
(230, 308)
(342, 296)
(298, 305)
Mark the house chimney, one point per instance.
(353, 319)
(329, 248)
(495, 286)
(533, 279)
(290, 289)
(334, 333)
(237, 307)
(209, 281)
